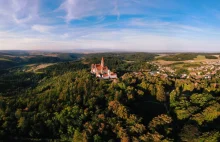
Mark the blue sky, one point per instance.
(131, 25)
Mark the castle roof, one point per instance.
(99, 67)
(105, 75)
(113, 74)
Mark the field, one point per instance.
(200, 57)
(3, 59)
(34, 68)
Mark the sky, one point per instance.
(126, 25)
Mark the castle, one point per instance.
(102, 71)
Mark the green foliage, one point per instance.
(208, 114)
(77, 137)
(210, 57)
(179, 57)
(188, 87)
(161, 122)
(187, 56)
(210, 137)
(160, 95)
(182, 114)
(201, 99)
(192, 133)
(139, 56)
(173, 98)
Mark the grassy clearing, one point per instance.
(177, 64)
(184, 65)
(35, 68)
(200, 57)
(161, 55)
(192, 65)
(39, 72)
(162, 62)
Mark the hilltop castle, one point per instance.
(102, 71)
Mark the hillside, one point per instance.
(9, 59)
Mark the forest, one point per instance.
(65, 102)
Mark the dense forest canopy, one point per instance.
(64, 102)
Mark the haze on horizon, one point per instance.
(131, 25)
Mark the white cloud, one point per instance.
(128, 40)
(116, 10)
(78, 9)
(18, 11)
(42, 28)
(157, 24)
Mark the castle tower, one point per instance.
(102, 65)
(102, 62)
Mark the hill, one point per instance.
(9, 59)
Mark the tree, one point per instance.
(160, 94)
(21, 122)
(161, 124)
(189, 133)
(78, 137)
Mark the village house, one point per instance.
(102, 71)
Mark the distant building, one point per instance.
(183, 76)
(154, 73)
(102, 71)
(208, 77)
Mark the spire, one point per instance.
(102, 62)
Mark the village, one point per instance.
(206, 70)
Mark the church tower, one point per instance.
(102, 62)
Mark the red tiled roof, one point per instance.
(105, 75)
(97, 65)
(99, 68)
(113, 74)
